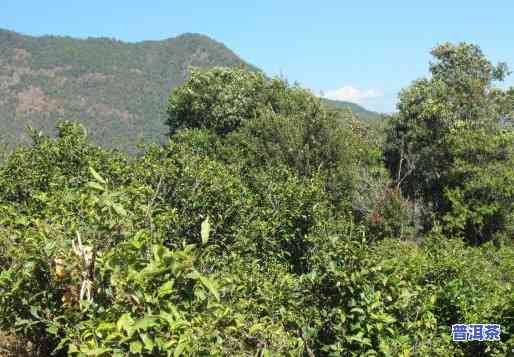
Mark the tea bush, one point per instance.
(266, 228)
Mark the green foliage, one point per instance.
(264, 123)
(223, 99)
(362, 113)
(144, 293)
(265, 227)
(49, 165)
(400, 298)
(218, 99)
(393, 216)
(117, 90)
(317, 142)
(449, 144)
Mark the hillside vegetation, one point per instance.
(270, 225)
(360, 112)
(117, 90)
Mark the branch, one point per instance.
(307, 348)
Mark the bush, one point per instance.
(449, 136)
(217, 99)
(277, 233)
(222, 99)
(393, 216)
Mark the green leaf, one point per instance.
(136, 347)
(166, 316)
(358, 310)
(94, 351)
(205, 231)
(165, 289)
(124, 322)
(359, 337)
(52, 330)
(119, 209)
(97, 176)
(179, 349)
(384, 347)
(210, 285)
(105, 326)
(33, 312)
(148, 342)
(95, 186)
(21, 220)
(388, 319)
(145, 323)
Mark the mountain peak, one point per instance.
(115, 89)
(110, 86)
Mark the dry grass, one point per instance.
(12, 346)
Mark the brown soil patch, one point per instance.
(21, 55)
(12, 346)
(33, 100)
(106, 110)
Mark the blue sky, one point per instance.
(363, 51)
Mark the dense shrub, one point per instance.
(275, 232)
(221, 99)
(449, 143)
(50, 165)
(217, 99)
(393, 216)
(293, 128)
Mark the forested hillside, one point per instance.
(117, 90)
(270, 225)
(359, 111)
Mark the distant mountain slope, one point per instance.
(117, 90)
(358, 110)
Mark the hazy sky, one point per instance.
(362, 51)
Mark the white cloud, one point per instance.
(352, 94)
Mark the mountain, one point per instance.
(118, 90)
(361, 112)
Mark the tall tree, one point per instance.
(449, 132)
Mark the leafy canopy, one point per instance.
(266, 226)
(449, 145)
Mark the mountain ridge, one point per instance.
(359, 110)
(118, 90)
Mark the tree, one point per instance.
(222, 99)
(426, 152)
(217, 99)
